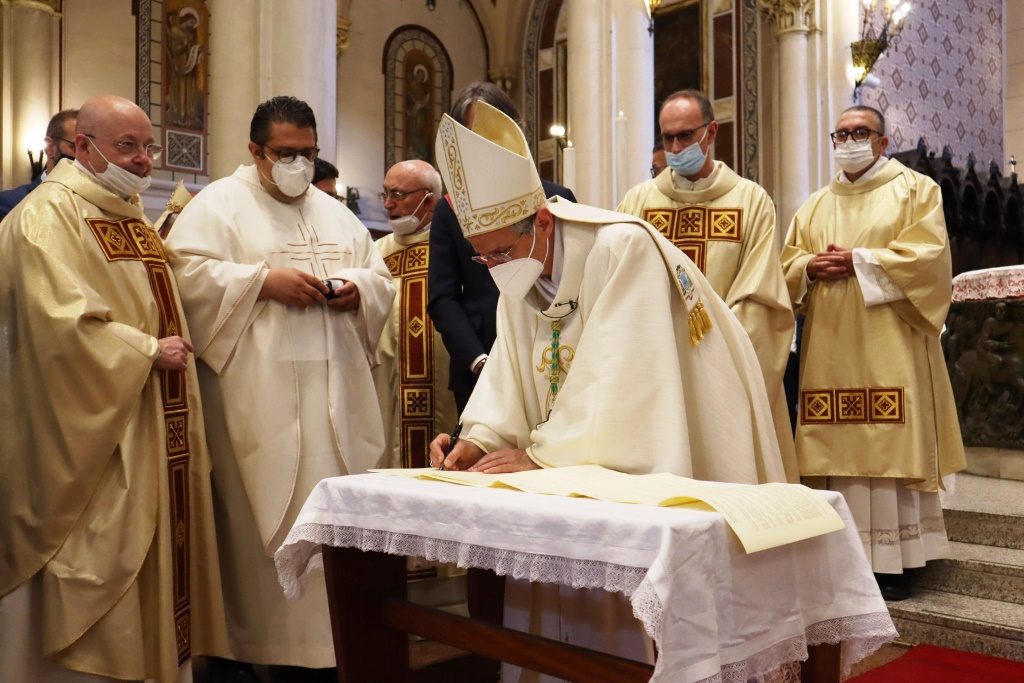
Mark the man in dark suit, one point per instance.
(59, 144)
(462, 296)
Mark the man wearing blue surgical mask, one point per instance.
(726, 224)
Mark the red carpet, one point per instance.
(931, 664)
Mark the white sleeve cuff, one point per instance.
(472, 366)
(875, 284)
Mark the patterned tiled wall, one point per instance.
(945, 81)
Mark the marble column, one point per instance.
(234, 81)
(610, 97)
(263, 48)
(633, 50)
(792, 20)
(31, 75)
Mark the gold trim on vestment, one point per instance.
(130, 239)
(855, 405)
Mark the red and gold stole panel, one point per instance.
(415, 350)
(691, 228)
(130, 239)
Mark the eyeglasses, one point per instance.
(132, 148)
(858, 135)
(60, 139)
(397, 195)
(684, 136)
(496, 258)
(287, 155)
(655, 170)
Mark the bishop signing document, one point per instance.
(612, 349)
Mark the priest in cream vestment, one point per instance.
(108, 567)
(412, 377)
(612, 349)
(285, 372)
(726, 224)
(867, 259)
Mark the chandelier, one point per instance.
(874, 42)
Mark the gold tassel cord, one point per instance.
(699, 322)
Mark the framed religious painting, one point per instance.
(186, 40)
(417, 91)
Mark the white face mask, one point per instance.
(854, 156)
(118, 180)
(406, 225)
(515, 278)
(292, 179)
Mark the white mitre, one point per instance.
(488, 171)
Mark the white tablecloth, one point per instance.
(992, 283)
(715, 613)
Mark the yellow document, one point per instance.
(762, 516)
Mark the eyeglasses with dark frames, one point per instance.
(684, 136)
(287, 155)
(858, 135)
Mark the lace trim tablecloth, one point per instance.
(841, 605)
(991, 283)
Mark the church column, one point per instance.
(31, 76)
(610, 59)
(263, 48)
(792, 20)
(634, 96)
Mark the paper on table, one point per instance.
(761, 516)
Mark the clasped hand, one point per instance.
(835, 263)
(467, 456)
(173, 353)
(297, 288)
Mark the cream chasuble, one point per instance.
(875, 397)
(728, 230)
(412, 378)
(634, 393)
(609, 374)
(289, 392)
(105, 490)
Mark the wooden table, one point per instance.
(754, 613)
(371, 618)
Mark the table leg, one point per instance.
(358, 584)
(822, 665)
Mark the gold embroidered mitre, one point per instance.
(179, 198)
(488, 171)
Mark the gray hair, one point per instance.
(523, 226)
(863, 108)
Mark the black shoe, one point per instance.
(894, 587)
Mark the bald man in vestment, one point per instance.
(109, 562)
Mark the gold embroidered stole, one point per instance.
(415, 351)
(130, 239)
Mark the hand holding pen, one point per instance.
(452, 440)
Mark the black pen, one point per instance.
(452, 440)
